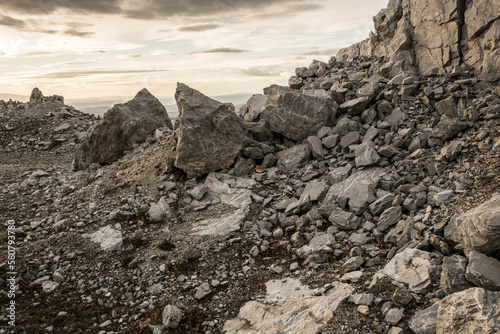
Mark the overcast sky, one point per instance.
(101, 48)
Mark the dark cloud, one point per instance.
(155, 9)
(42, 7)
(260, 71)
(318, 52)
(77, 33)
(292, 9)
(73, 74)
(9, 21)
(199, 27)
(221, 50)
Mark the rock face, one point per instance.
(209, 137)
(480, 228)
(289, 307)
(123, 128)
(433, 36)
(471, 311)
(296, 115)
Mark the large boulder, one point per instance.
(470, 311)
(123, 128)
(479, 229)
(209, 137)
(296, 115)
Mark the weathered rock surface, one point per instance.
(471, 311)
(296, 115)
(480, 228)
(289, 306)
(123, 128)
(210, 136)
(483, 271)
(453, 274)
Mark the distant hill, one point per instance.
(14, 97)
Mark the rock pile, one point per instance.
(123, 128)
(361, 198)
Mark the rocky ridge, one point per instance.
(354, 200)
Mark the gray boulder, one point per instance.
(471, 311)
(479, 229)
(356, 106)
(255, 105)
(210, 135)
(453, 274)
(294, 157)
(123, 128)
(425, 321)
(366, 155)
(448, 128)
(296, 115)
(483, 271)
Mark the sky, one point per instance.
(110, 49)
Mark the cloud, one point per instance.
(37, 7)
(199, 27)
(261, 71)
(220, 50)
(318, 52)
(77, 33)
(80, 73)
(9, 21)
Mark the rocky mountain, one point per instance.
(363, 198)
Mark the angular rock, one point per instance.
(453, 274)
(339, 174)
(483, 271)
(316, 148)
(108, 238)
(471, 311)
(210, 135)
(356, 106)
(389, 218)
(315, 191)
(413, 267)
(344, 220)
(383, 203)
(296, 115)
(366, 155)
(353, 263)
(289, 307)
(480, 228)
(358, 189)
(447, 128)
(294, 157)
(159, 212)
(425, 321)
(255, 105)
(123, 128)
(171, 317)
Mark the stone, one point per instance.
(425, 321)
(483, 271)
(453, 274)
(470, 311)
(159, 212)
(203, 291)
(353, 263)
(389, 218)
(242, 167)
(358, 189)
(311, 250)
(479, 229)
(344, 220)
(315, 191)
(349, 139)
(108, 238)
(224, 225)
(296, 115)
(316, 148)
(210, 135)
(289, 307)
(123, 128)
(447, 107)
(323, 240)
(294, 157)
(395, 119)
(366, 155)
(318, 67)
(255, 105)
(356, 106)
(383, 203)
(171, 317)
(394, 316)
(413, 267)
(330, 142)
(362, 299)
(442, 197)
(36, 96)
(447, 128)
(339, 174)
(295, 82)
(49, 286)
